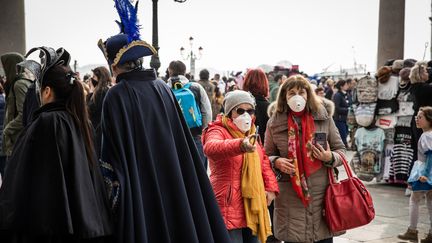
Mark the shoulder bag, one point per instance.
(348, 204)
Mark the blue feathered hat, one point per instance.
(126, 46)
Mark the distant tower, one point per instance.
(391, 30)
(12, 26)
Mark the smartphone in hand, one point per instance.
(254, 137)
(321, 139)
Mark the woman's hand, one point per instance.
(422, 178)
(246, 146)
(285, 165)
(320, 153)
(270, 197)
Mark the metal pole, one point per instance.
(192, 64)
(155, 62)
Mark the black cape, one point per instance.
(165, 194)
(50, 189)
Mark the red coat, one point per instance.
(226, 161)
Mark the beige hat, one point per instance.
(397, 66)
(235, 98)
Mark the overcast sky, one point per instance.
(235, 34)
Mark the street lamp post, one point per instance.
(192, 56)
(155, 61)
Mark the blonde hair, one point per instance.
(299, 82)
(416, 71)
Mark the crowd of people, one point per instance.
(123, 155)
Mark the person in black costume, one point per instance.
(53, 190)
(100, 80)
(158, 187)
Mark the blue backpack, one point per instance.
(188, 104)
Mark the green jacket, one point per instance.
(13, 114)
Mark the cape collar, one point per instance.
(140, 75)
(53, 106)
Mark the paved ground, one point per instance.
(391, 206)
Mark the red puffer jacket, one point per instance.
(226, 161)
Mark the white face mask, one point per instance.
(297, 103)
(243, 122)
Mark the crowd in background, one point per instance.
(255, 122)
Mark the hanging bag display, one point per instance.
(348, 204)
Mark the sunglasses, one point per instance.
(241, 111)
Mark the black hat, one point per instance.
(126, 46)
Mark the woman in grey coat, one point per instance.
(300, 163)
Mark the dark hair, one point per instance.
(218, 93)
(104, 80)
(427, 112)
(256, 82)
(340, 84)
(68, 89)
(177, 68)
(204, 74)
(131, 65)
(189, 76)
(277, 77)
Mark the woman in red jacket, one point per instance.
(241, 175)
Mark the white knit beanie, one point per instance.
(235, 98)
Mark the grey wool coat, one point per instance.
(292, 221)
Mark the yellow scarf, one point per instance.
(252, 188)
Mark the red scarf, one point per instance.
(300, 151)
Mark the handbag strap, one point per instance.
(345, 164)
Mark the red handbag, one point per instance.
(348, 204)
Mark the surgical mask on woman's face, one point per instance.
(243, 122)
(297, 103)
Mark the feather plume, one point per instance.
(128, 19)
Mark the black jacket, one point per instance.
(261, 115)
(341, 106)
(94, 106)
(165, 194)
(422, 95)
(50, 189)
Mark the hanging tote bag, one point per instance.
(348, 204)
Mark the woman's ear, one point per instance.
(47, 95)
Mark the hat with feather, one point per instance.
(127, 45)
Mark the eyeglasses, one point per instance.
(241, 111)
